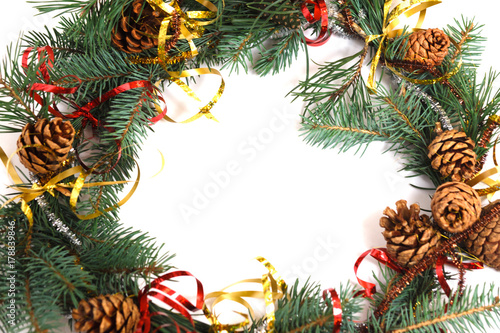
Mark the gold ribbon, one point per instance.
(273, 288)
(29, 194)
(205, 110)
(391, 20)
(484, 177)
(189, 27)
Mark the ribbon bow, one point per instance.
(391, 20)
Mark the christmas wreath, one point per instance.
(81, 99)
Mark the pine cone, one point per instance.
(427, 47)
(56, 138)
(455, 206)
(139, 31)
(110, 313)
(485, 244)
(452, 154)
(409, 236)
(291, 21)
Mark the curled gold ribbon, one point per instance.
(205, 110)
(391, 20)
(189, 27)
(29, 194)
(273, 288)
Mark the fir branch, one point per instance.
(280, 54)
(465, 37)
(31, 310)
(448, 317)
(401, 115)
(18, 99)
(354, 76)
(348, 129)
(318, 323)
(242, 46)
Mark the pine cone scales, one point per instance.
(44, 146)
(427, 47)
(455, 206)
(409, 235)
(288, 20)
(106, 314)
(485, 244)
(452, 154)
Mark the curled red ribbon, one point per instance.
(166, 295)
(337, 308)
(380, 254)
(84, 111)
(320, 13)
(57, 90)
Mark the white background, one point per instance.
(249, 186)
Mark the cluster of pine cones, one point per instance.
(455, 208)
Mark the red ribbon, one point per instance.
(165, 295)
(320, 13)
(57, 90)
(441, 261)
(380, 254)
(337, 308)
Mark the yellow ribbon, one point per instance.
(29, 194)
(273, 288)
(391, 20)
(189, 27)
(484, 177)
(205, 110)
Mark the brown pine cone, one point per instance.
(409, 235)
(139, 30)
(110, 313)
(427, 47)
(452, 154)
(455, 206)
(485, 244)
(52, 140)
(289, 20)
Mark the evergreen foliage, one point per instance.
(53, 272)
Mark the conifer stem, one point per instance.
(17, 97)
(33, 319)
(349, 129)
(447, 317)
(402, 115)
(321, 321)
